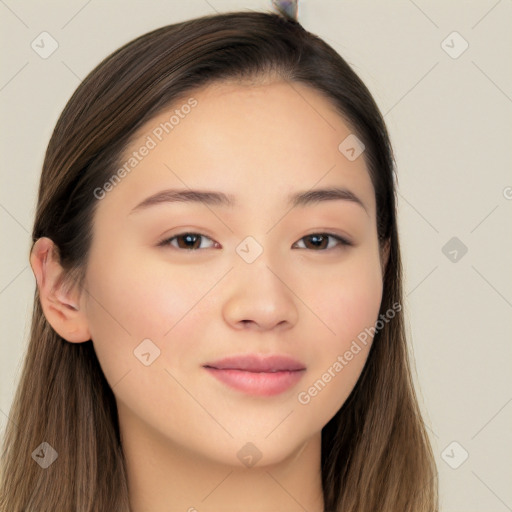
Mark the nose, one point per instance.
(260, 298)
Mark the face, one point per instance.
(176, 286)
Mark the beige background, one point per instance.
(450, 124)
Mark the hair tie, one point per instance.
(287, 8)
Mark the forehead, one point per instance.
(248, 140)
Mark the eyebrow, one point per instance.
(298, 199)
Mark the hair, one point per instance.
(376, 454)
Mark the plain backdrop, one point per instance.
(441, 75)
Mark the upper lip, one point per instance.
(257, 363)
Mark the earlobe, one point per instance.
(61, 307)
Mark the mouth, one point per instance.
(257, 375)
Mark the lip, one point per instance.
(257, 374)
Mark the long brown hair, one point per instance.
(376, 454)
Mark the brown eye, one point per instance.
(320, 241)
(186, 241)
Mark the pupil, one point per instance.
(189, 238)
(317, 240)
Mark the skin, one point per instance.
(181, 428)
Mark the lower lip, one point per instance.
(260, 384)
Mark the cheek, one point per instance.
(129, 303)
(147, 300)
(157, 303)
(348, 301)
(348, 304)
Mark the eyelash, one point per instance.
(342, 242)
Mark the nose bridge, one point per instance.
(262, 257)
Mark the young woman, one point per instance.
(218, 320)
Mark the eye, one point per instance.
(192, 241)
(321, 241)
(188, 241)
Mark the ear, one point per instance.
(384, 255)
(61, 307)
